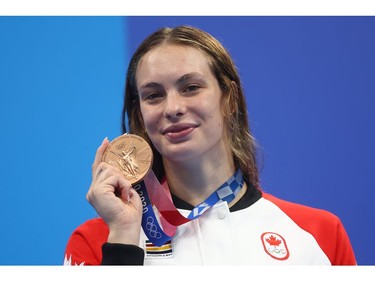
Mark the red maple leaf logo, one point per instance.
(273, 241)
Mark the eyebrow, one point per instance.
(188, 76)
(179, 81)
(150, 85)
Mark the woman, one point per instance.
(184, 97)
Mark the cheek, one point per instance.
(150, 119)
(145, 117)
(215, 124)
(214, 114)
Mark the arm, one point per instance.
(117, 232)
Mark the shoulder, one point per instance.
(303, 215)
(324, 226)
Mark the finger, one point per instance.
(107, 180)
(99, 172)
(99, 155)
(133, 196)
(123, 189)
(104, 171)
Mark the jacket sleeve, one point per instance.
(88, 246)
(80, 250)
(344, 254)
(122, 254)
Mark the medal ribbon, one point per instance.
(152, 193)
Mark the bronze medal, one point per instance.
(131, 154)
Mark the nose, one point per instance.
(174, 106)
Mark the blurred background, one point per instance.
(310, 88)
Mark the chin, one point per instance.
(178, 155)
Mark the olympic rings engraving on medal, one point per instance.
(152, 228)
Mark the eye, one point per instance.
(152, 97)
(192, 88)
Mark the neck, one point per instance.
(193, 183)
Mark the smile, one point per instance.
(178, 132)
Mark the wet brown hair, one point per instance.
(241, 142)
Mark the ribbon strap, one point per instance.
(153, 194)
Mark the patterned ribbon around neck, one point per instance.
(157, 196)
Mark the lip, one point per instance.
(178, 132)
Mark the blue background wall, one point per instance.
(309, 83)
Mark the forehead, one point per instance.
(171, 60)
(173, 50)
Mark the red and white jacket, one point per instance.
(259, 229)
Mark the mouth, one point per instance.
(177, 132)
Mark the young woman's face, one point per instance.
(180, 102)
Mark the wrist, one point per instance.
(121, 236)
